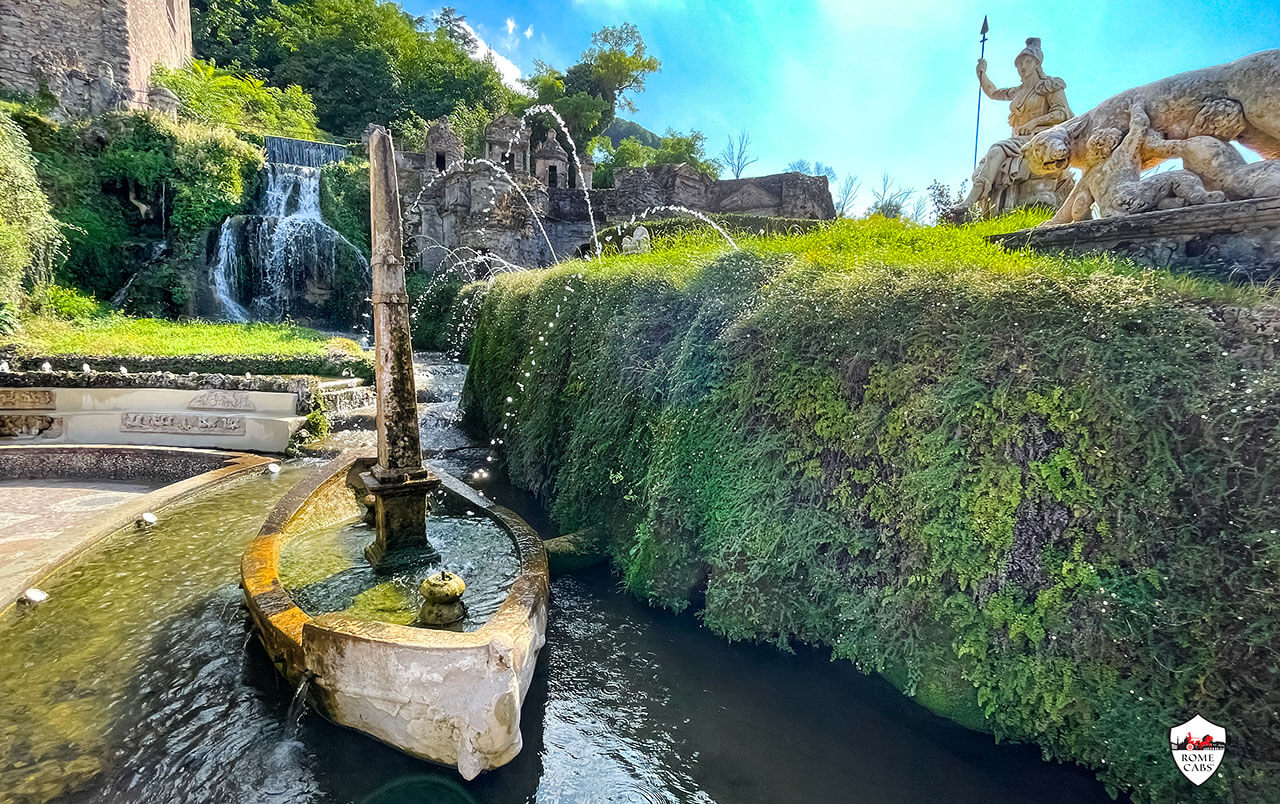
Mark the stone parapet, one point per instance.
(1236, 240)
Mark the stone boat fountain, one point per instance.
(447, 694)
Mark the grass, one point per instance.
(124, 336)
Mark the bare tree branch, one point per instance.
(736, 156)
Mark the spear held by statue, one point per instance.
(981, 55)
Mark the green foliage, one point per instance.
(469, 122)
(30, 240)
(214, 176)
(66, 325)
(587, 94)
(68, 304)
(242, 102)
(621, 129)
(672, 149)
(1039, 493)
(361, 61)
(433, 316)
(344, 201)
(9, 318)
(125, 180)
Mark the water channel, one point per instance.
(138, 681)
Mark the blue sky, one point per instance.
(870, 88)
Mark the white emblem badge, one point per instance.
(1197, 747)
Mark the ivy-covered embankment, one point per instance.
(1038, 494)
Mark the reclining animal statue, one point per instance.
(1238, 101)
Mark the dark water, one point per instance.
(628, 704)
(139, 682)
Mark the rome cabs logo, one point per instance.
(1198, 746)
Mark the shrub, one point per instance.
(212, 96)
(65, 303)
(30, 240)
(1040, 493)
(344, 200)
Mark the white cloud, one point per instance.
(511, 26)
(528, 32)
(506, 67)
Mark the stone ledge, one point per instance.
(1235, 240)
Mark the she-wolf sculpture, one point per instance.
(1237, 101)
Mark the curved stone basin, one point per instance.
(451, 697)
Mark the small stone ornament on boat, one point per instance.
(442, 599)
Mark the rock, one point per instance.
(573, 551)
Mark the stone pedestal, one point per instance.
(1232, 241)
(400, 508)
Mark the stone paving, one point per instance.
(43, 521)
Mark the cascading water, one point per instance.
(284, 261)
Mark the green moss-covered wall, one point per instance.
(1040, 495)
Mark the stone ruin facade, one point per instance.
(780, 195)
(522, 205)
(93, 55)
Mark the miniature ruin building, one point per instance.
(551, 164)
(443, 147)
(506, 143)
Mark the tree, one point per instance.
(846, 195)
(889, 200)
(735, 155)
(673, 149)
(816, 169)
(946, 207)
(214, 96)
(362, 61)
(455, 26)
(588, 94)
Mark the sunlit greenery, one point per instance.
(672, 149)
(1039, 493)
(219, 97)
(362, 61)
(30, 238)
(118, 335)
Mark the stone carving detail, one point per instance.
(181, 424)
(1237, 101)
(26, 399)
(638, 242)
(1003, 179)
(29, 426)
(1114, 177)
(221, 400)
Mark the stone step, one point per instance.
(103, 399)
(166, 428)
(235, 420)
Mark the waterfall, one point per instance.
(225, 286)
(283, 260)
(282, 150)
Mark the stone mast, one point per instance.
(398, 482)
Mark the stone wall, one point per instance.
(159, 33)
(92, 55)
(783, 195)
(474, 212)
(1236, 240)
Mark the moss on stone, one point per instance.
(856, 436)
